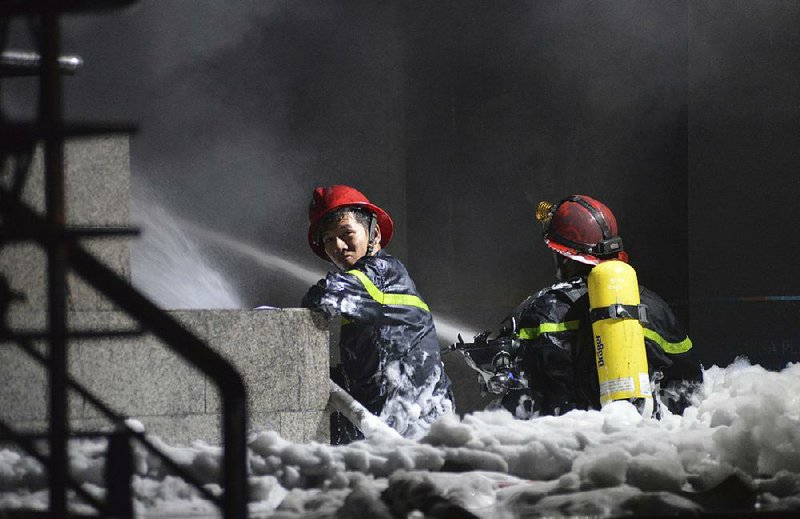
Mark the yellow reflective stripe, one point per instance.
(669, 347)
(346, 321)
(388, 299)
(532, 333)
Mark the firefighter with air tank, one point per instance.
(596, 335)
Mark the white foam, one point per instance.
(608, 462)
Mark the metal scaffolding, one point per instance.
(20, 222)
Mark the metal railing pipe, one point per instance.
(51, 120)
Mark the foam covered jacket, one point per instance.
(389, 348)
(559, 358)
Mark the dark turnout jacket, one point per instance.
(559, 358)
(389, 349)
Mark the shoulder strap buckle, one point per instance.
(619, 311)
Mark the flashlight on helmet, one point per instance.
(544, 212)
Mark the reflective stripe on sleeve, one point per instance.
(669, 347)
(388, 299)
(532, 333)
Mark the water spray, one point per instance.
(446, 329)
(166, 229)
(170, 269)
(306, 275)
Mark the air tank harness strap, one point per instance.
(619, 311)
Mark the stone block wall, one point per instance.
(281, 354)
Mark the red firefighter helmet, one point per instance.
(325, 200)
(581, 228)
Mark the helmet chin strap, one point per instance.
(373, 226)
(560, 274)
(568, 269)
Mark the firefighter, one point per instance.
(390, 352)
(559, 355)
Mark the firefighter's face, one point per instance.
(347, 241)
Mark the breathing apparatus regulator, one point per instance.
(585, 230)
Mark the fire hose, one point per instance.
(370, 425)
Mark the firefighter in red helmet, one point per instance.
(390, 352)
(559, 358)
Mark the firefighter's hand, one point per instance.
(314, 300)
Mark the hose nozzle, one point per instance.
(544, 211)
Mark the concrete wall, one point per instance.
(281, 354)
(744, 126)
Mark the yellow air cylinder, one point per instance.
(618, 336)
